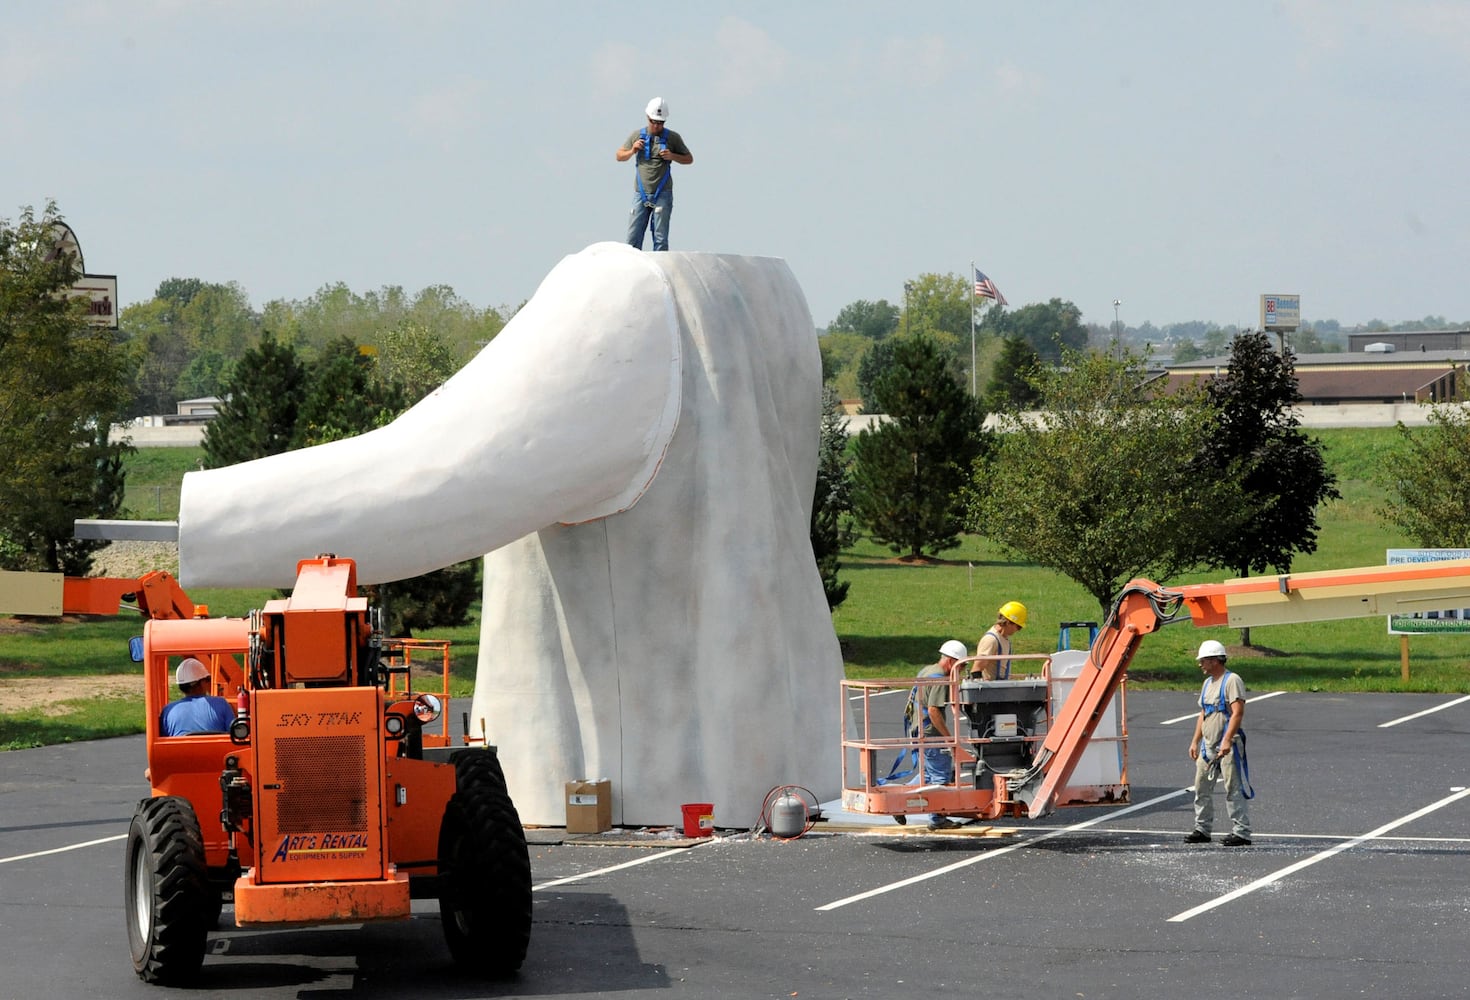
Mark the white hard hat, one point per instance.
(954, 648)
(1210, 648)
(657, 110)
(190, 670)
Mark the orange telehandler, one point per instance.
(1021, 741)
(330, 798)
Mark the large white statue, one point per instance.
(636, 451)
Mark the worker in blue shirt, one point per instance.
(198, 711)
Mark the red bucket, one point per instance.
(699, 819)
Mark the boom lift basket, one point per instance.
(1001, 726)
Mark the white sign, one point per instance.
(1281, 312)
(1430, 622)
(101, 292)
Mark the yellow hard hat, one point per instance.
(1014, 612)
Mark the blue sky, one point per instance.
(1182, 157)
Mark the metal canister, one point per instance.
(788, 816)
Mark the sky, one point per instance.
(1180, 158)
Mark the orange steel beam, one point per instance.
(1144, 607)
(156, 595)
(1330, 594)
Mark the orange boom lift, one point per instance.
(1021, 741)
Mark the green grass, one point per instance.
(154, 478)
(895, 615)
(892, 623)
(71, 722)
(99, 646)
(39, 648)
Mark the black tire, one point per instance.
(167, 892)
(484, 870)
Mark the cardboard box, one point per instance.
(589, 806)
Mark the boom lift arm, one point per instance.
(1144, 607)
(155, 595)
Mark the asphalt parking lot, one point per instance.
(1358, 884)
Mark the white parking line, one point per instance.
(61, 850)
(892, 886)
(1195, 714)
(1276, 876)
(1427, 711)
(1132, 831)
(544, 885)
(656, 856)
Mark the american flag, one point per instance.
(985, 289)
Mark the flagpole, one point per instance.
(971, 283)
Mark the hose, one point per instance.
(810, 813)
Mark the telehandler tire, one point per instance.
(167, 891)
(484, 870)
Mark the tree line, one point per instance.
(186, 341)
(1115, 481)
(292, 375)
(275, 401)
(943, 307)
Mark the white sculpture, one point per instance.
(636, 451)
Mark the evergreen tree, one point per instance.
(909, 470)
(262, 402)
(832, 500)
(63, 382)
(1011, 386)
(1255, 442)
(875, 363)
(345, 395)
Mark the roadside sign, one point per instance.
(1443, 622)
(1281, 312)
(101, 292)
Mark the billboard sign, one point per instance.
(1449, 620)
(1281, 312)
(101, 292)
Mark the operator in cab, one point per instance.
(198, 711)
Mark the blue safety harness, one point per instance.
(1220, 707)
(650, 153)
(906, 764)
